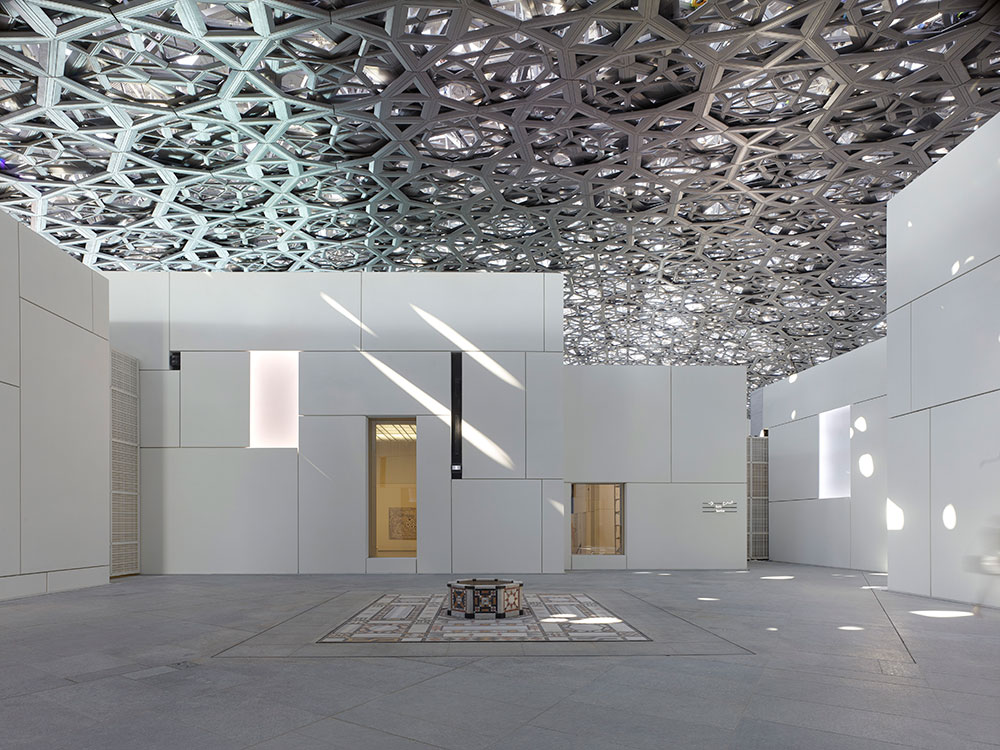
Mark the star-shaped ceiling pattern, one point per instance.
(712, 177)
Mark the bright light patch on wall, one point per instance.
(835, 453)
(860, 424)
(707, 599)
(773, 630)
(274, 399)
(483, 359)
(949, 517)
(477, 439)
(346, 313)
(793, 377)
(941, 613)
(776, 578)
(894, 516)
(866, 465)
(849, 627)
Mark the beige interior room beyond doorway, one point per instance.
(392, 520)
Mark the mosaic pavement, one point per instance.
(407, 618)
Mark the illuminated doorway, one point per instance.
(392, 503)
(596, 515)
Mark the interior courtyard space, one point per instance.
(776, 656)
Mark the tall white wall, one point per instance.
(55, 431)
(825, 425)
(944, 371)
(676, 437)
(370, 345)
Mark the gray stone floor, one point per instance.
(225, 662)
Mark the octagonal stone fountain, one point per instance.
(485, 598)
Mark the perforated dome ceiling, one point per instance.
(712, 180)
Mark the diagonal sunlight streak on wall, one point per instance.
(478, 440)
(490, 364)
(346, 313)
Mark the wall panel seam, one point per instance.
(945, 283)
(66, 320)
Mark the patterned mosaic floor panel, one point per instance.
(407, 618)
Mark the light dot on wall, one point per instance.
(793, 377)
(949, 517)
(860, 424)
(849, 627)
(894, 516)
(866, 465)
(793, 413)
(954, 267)
(909, 224)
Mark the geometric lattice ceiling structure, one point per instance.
(712, 179)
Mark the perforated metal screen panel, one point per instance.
(757, 494)
(124, 464)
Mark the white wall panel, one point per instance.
(54, 280)
(333, 494)
(215, 399)
(599, 562)
(218, 510)
(391, 565)
(265, 312)
(433, 495)
(66, 580)
(10, 355)
(18, 586)
(617, 423)
(909, 488)
(965, 473)
(545, 415)
(101, 301)
(139, 307)
(955, 346)
(495, 312)
(374, 384)
(498, 526)
(666, 528)
(898, 361)
(554, 513)
(925, 249)
(553, 283)
(65, 439)
(495, 410)
(10, 480)
(848, 378)
(868, 533)
(159, 408)
(708, 424)
(793, 449)
(811, 532)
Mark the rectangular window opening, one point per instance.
(597, 515)
(392, 506)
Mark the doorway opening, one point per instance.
(392, 497)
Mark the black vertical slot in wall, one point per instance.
(456, 415)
